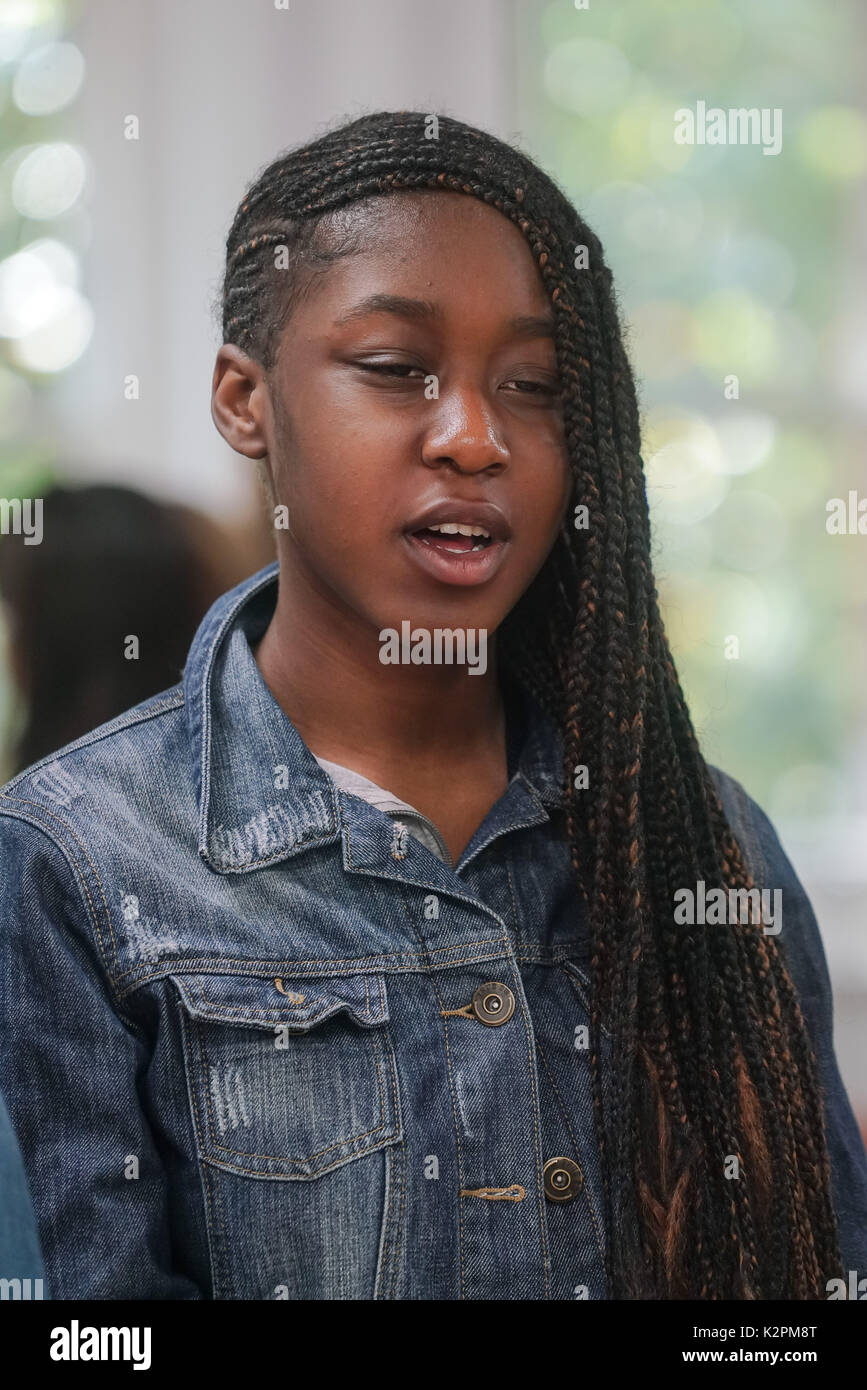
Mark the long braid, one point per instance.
(710, 1055)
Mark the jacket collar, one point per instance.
(262, 796)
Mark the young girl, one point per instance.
(408, 948)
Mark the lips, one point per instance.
(459, 542)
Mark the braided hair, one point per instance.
(710, 1055)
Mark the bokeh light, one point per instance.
(48, 79)
(747, 438)
(587, 76)
(735, 334)
(33, 283)
(60, 339)
(750, 530)
(23, 20)
(45, 319)
(49, 179)
(832, 141)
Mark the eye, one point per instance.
(399, 371)
(527, 387)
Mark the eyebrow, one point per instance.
(424, 311)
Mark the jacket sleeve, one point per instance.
(70, 1069)
(801, 945)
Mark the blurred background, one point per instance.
(729, 263)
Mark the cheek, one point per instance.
(333, 483)
(336, 512)
(550, 487)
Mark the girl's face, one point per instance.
(415, 386)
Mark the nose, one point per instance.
(464, 434)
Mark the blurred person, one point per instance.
(112, 565)
(374, 979)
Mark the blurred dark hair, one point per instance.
(112, 564)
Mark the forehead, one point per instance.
(418, 207)
(444, 240)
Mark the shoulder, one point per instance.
(97, 771)
(103, 792)
(772, 870)
(111, 734)
(110, 809)
(753, 829)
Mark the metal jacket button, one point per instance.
(493, 1003)
(562, 1179)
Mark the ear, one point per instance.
(240, 402)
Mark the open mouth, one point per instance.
(459, 541)
(454, 538)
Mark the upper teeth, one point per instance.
(451, 528)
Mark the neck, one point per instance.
(321, 664)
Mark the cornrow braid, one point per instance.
(710, 1054)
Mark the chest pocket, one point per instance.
(289, 1078)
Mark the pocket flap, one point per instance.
(283, 1001)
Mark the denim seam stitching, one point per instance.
(400, 1225)
(386, 1217)
(287, 967)
(221, 1277)
(389, 1254)
(516, 915)
(210, 1221)
(412, 967)
(431, 975)
(575, 1145)
(531, 1061)
(402, 1161)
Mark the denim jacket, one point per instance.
(259, 1042)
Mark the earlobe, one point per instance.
(238, 400)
